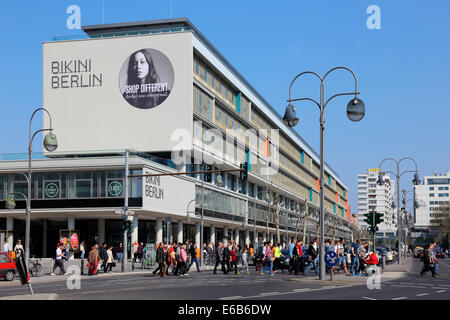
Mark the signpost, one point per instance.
(331, 260)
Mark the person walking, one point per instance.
(354, 269)
(244, 261)
(59, 260)
(141, 252)
(93, 260)
(428, 262)
(134, 250)
(277, 255)
(436, 263)
(226, 258)
(110, 259)
(160, 259)
(104, 257)
(312, 257)
(233, 258)
(18, 249)
(339, 250)
(172, 257)
(82, 249)
(193, 253)
(219, 257)
(259, 255)
(183, 260)
(268, 260)
(120, 253)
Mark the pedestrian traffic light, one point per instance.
(244, 171)
(207, 175)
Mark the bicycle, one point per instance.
(35, 268)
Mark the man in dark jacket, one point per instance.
(193, 253)
(104, 257)
(160, 259)
(219, 257)
(226, 259)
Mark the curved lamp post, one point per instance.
(50, 144)
(355, 112)
(397, 175)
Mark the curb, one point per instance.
(40, 296)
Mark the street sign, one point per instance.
(331, 258)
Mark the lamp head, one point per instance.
(219, 180)
(50, 142)
(10, 203)
(356, 109)
(290, 118)
(380, 180)
(416, 179)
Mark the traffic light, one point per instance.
(378, 218)
(369, 218)
(243, 174)
(127, 226)
(207, 175)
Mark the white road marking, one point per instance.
(400, 298)
(269, 293)
(422, 294)
(437, 288)
(301, 290)
(231, 298)
(368, 298)
(441, 291)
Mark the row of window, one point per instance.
(69, 185)
(438, 202)
(439, 188)
(439, 195)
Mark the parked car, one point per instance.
(7, 267)
(389, 254)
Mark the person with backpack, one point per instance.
(259, 257)
(193, 253)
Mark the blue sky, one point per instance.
(403, 69)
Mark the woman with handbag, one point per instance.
(428, 261)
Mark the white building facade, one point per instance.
(372, 197)
(430, 196)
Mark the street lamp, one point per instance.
(355, 112)
(50, 144)
(397, 175)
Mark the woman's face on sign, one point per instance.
(140, 65)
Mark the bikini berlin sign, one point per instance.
(166, 194)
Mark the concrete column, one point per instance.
(225, 235)
(101, 232)
(264, 237)
(247, 237)
(159, 230)
(236, 236)
(134, 234)
(213, 235)
(10, 227)
(71, 223)
(44, 238)
(197, 235)
(271, 238)
(255, 241)
(180, 231)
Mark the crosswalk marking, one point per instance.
(400, 298)
(422, 294)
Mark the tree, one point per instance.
(442, 222)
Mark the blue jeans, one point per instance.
(119, 257)
(314, 264)
(435, 268)
(355, 265)
(196, 263)
(82, 255)
(267, 264)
